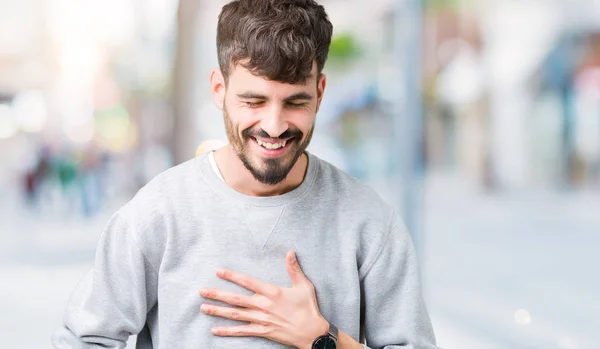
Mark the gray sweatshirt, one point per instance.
(168, 241)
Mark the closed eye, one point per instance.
(254, 104)
(296, 105)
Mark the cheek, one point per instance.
(243, 118)
(302, 120)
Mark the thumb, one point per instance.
(294, 269)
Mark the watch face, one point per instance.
(325, 342)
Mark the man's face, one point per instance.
(269, 124)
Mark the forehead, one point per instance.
(241, 79)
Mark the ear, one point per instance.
(217, 87)
(321, 89)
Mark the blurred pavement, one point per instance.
(512, 271)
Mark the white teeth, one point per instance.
(270, 145)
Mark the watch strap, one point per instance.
(333, 331)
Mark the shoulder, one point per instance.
(376, 221)
(175, 180)
(154, 209)
(351, 192)
(172, 189)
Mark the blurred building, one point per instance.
(80, 79)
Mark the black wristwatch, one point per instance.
(328, 340)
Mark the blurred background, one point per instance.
(479, 120)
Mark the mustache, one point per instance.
(289, 133)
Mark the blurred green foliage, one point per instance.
(343, 47)
(440, 4)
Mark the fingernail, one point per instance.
(220, 272)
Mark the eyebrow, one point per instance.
(298, 96)
(250, 95)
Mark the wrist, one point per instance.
(347, 342)
(319, 329)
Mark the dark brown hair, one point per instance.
(276, 39)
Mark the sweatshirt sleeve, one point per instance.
(112, 300)
(394, 312)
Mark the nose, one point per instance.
(274, 122)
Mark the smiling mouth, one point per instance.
(273, 145)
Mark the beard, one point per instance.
(270, 171)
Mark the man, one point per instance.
(258, 244)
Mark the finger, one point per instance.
(250, 330)
(294, 270)
(231, 298)
(239, 314)
(247, 282)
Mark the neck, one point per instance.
(240, 179)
